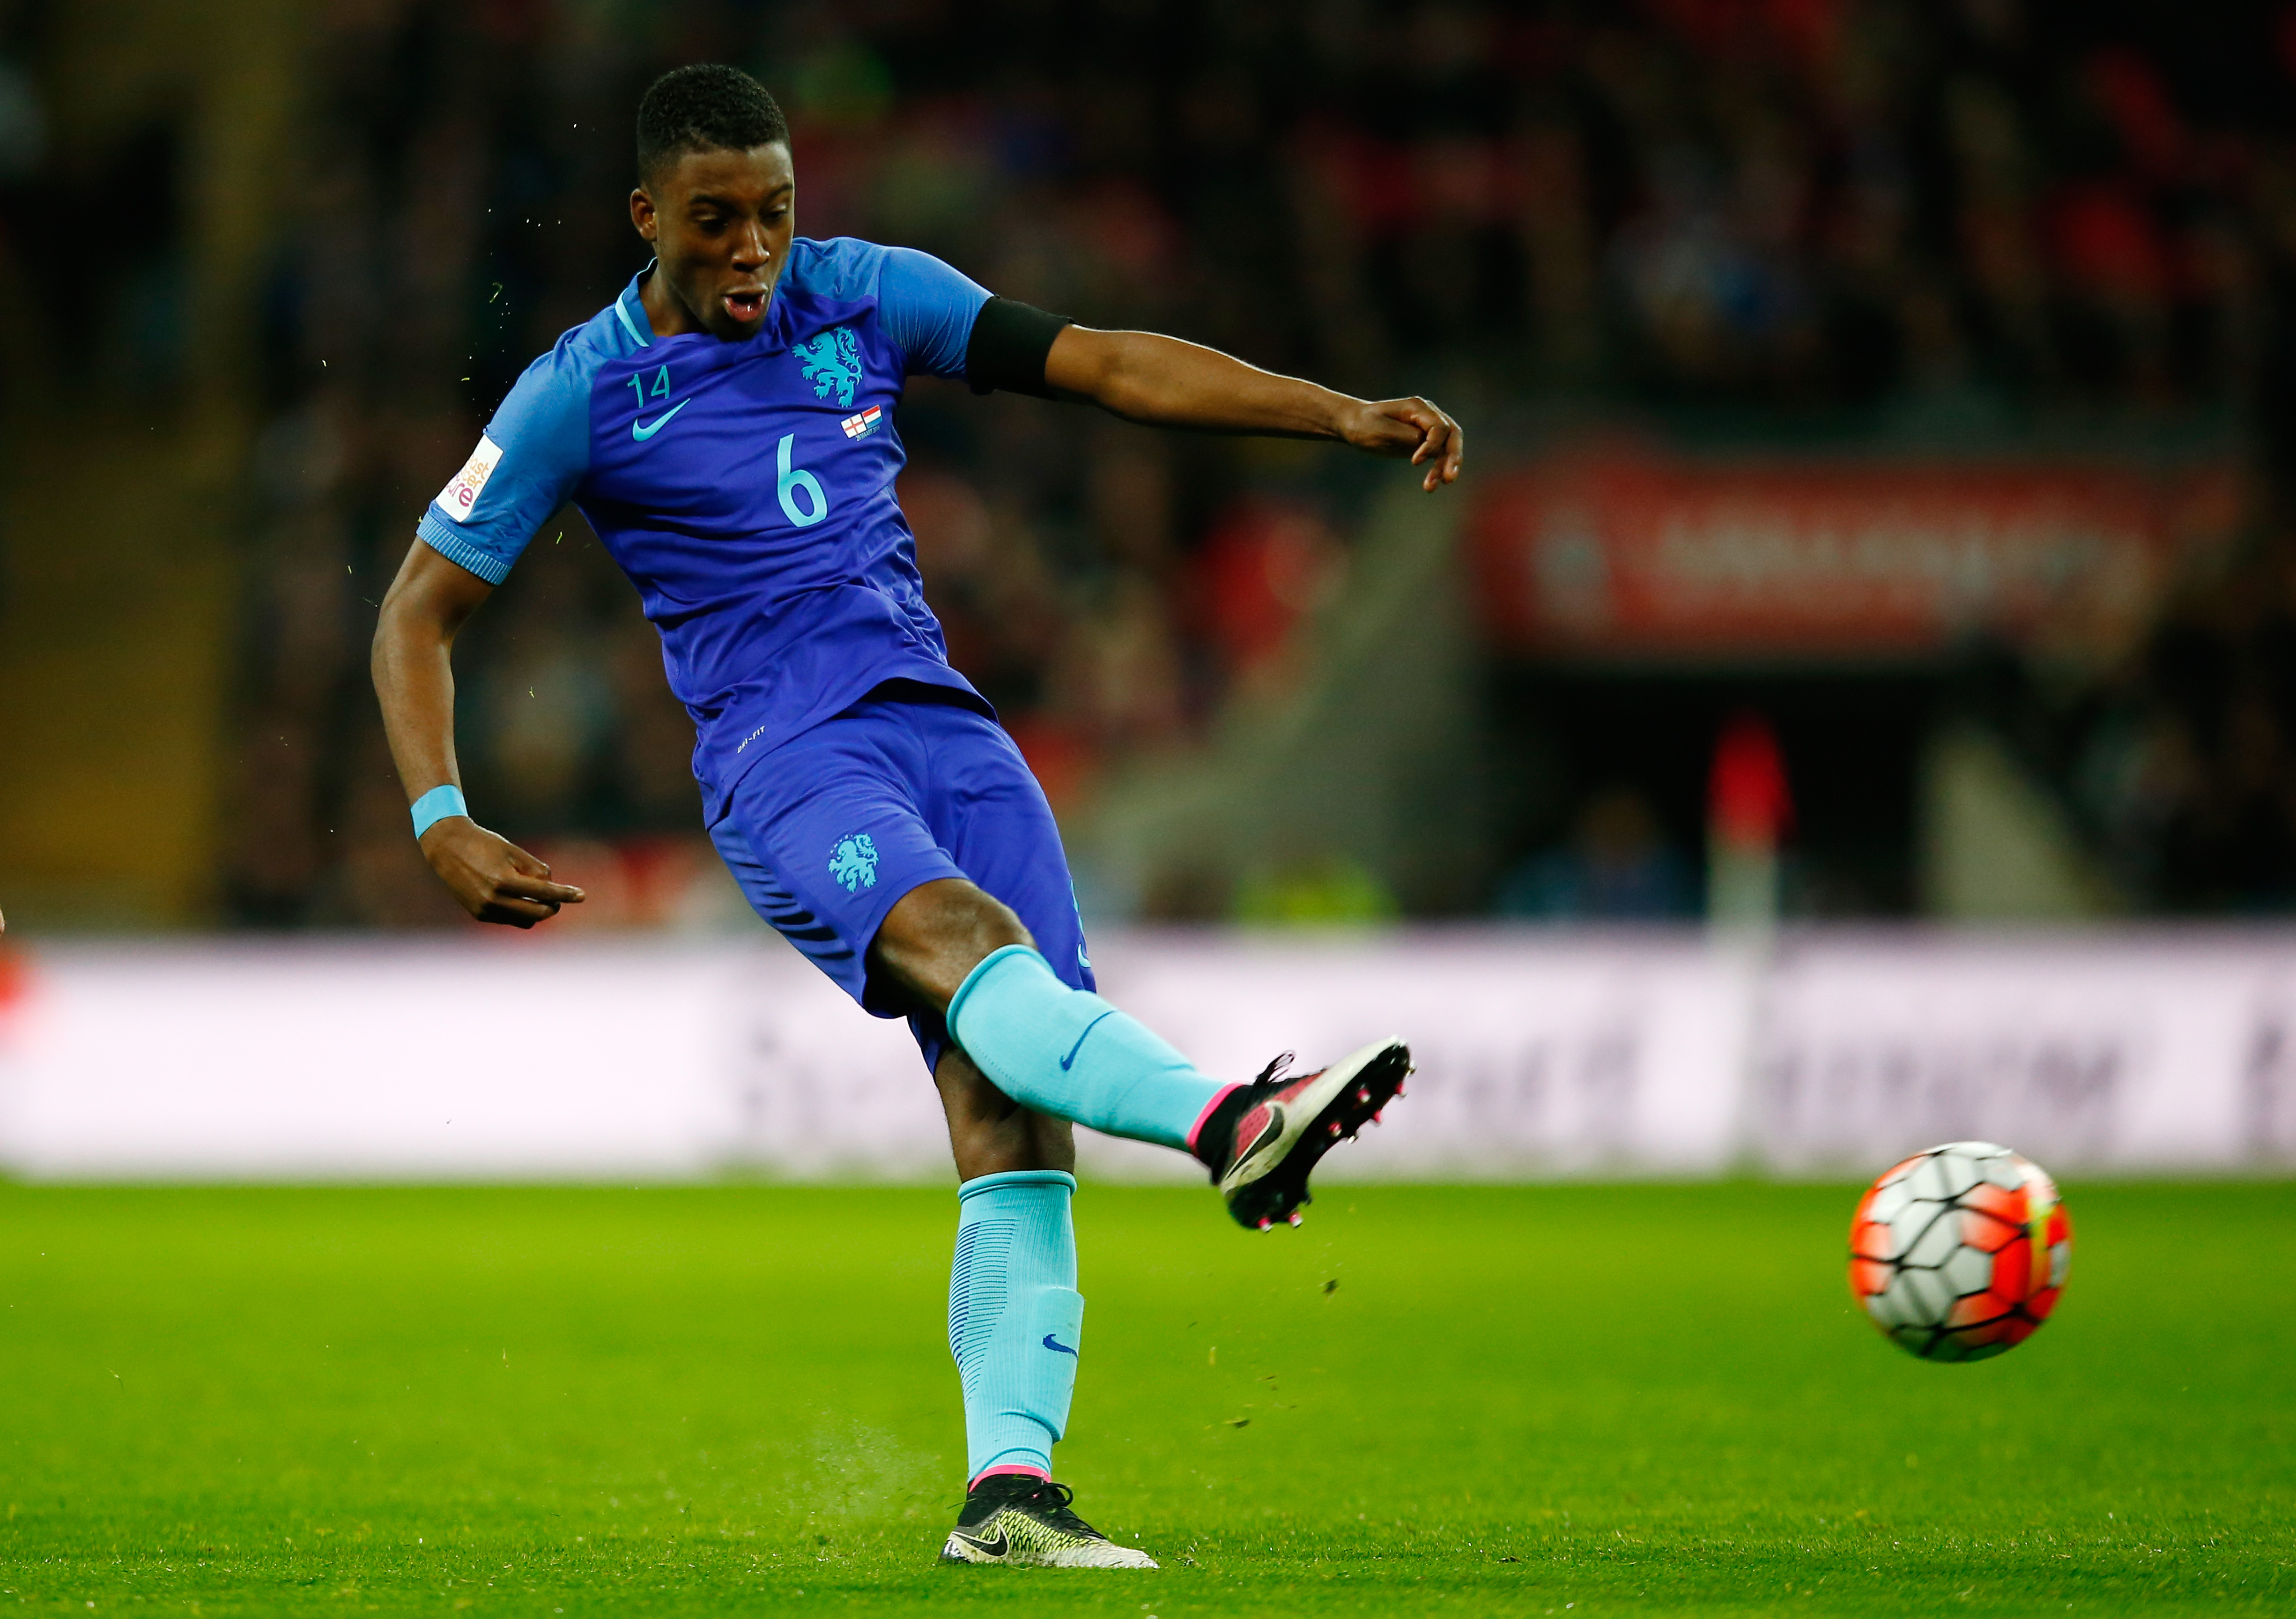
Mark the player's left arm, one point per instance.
(947, 325)
(1145, 377)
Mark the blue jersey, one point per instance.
(746, 488)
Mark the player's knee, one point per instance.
(982, 927)
(939, 932)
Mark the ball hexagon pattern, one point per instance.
(1959, 1252)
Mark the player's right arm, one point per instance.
(527, 464)
(495, 880)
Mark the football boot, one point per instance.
(1020, 1518)
(1279, 1126)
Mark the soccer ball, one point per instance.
(1959, 1252)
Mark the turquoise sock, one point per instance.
(1068, 1052)
(1013, 1317)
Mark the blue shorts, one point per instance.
(908, 785)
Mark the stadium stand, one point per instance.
(1934, 229)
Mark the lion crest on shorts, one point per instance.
(854, 862)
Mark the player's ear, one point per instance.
(641, 214)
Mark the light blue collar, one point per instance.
(631, 307)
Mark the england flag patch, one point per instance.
(860, 426)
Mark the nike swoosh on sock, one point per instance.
(1088, 1028)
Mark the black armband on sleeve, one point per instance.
(1010, 344)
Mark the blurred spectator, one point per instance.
(1262, 569)
(1617, 867)
(1331, 892)
(2182, 765)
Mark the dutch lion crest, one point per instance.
(832, 360)
(854, 862)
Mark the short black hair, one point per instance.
(706, 107)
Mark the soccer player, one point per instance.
(726, 425)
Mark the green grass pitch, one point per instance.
(734, 1398)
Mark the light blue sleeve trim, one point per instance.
(440, 535)
(929, 309)
(436, 806)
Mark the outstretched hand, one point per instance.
(493, 878)
(1413, 428)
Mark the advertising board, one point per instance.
(1539, 1054)
(1627, 554)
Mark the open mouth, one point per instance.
(746, 305)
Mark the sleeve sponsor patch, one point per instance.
(461, 495)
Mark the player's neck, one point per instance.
(665, 312)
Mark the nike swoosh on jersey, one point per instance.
(643, 430)
(1050, 1343)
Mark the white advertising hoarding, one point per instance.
(1539, 1054)
(2109, 1052)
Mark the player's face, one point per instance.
(720, 223)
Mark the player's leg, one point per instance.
(1002, 954)
(824, 836)
(1015, 1321)
(1012, 1510)
(1014, 1279)
(828, 837)
(1047, 1043)
(1014, 1310)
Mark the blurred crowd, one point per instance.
(1952, 222)
(2180, 763)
